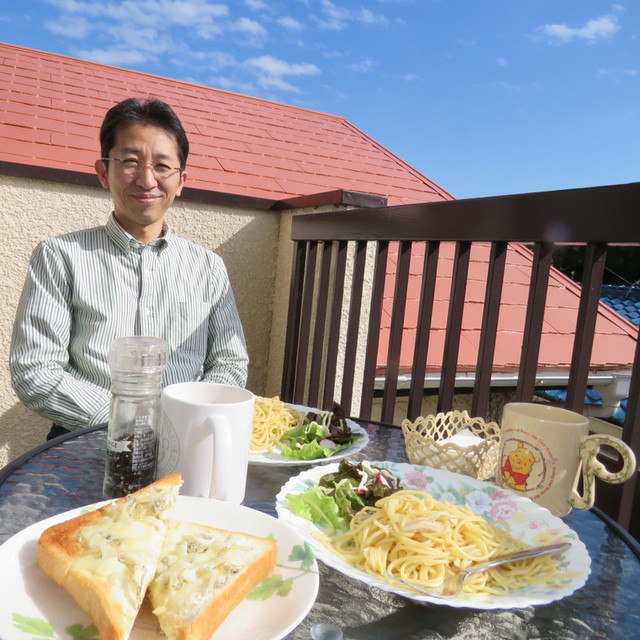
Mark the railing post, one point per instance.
(454, 326)
(353, 326)
(290, 369)
(630, 498)
(532, 333)
(423, 328)
(489, 331)
(396, 332)
(373, 334)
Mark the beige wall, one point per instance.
(255, 245)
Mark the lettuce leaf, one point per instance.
(309, 451)
(303, 443)
(315, 505)
(338, 496)
(304, 433)
(347, 500)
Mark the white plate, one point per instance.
(275, 457)
(33, 606)
(524, 520)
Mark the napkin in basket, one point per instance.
(454, 441)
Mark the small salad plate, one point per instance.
(277, 457)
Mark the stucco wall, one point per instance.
(248, 240)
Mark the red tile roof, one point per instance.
(51, 107)
(614, 344)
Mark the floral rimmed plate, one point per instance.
(521, 517)
(35, 608)
(275, 457)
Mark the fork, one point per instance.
(453, 585)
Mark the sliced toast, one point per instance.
(106, 558)
(203, 574)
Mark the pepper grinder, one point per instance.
(137, 364)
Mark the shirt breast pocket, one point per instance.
(189, 328)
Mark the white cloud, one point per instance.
(502, 62)
(601, 28)
(364, 66)
(333, 17)
(290, 23)
(73, 27)
(185, 13)
(617, 74)
(256, 5)
(249, 27)
(135, 37)
(332, 54)
(114, 57)
(73, 6)
(511, 88)
(137, 30)
(273, 82)
(337, 18)
(275, 67)
(368, 17)
(211, 60)
(231, 84)
(271, 71)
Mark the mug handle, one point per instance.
(592, 468)
(222, 459)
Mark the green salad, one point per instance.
(338, 496)
(320, 435)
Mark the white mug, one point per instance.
(205, 435)
(543, 451)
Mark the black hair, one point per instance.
(149, 112)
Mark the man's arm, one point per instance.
(39, 359)
(227, 360)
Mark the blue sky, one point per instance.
(486, 97)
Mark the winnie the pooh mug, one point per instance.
(205, 435)
(543, 450)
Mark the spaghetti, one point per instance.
(271, 418)
(411, 535)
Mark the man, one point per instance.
(131, 277)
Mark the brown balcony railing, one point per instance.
(365, 321)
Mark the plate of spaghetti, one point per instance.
(289, 434)
(438, 522)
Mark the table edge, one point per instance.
(14, 465)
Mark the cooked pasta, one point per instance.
(411, 535)
(271, 418)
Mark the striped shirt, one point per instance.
(86, 288)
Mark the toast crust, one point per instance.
(244, 561)
(95, 557)
(70, 553)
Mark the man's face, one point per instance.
(141, 199)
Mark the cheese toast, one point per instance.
(203, 574)
(106, 558)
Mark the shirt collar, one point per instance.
(126, 242)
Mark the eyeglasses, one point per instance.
(132, 167)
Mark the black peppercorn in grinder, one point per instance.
(137, 365)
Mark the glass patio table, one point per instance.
(67, 472)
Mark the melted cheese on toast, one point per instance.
(203, 574)
(106, 558)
